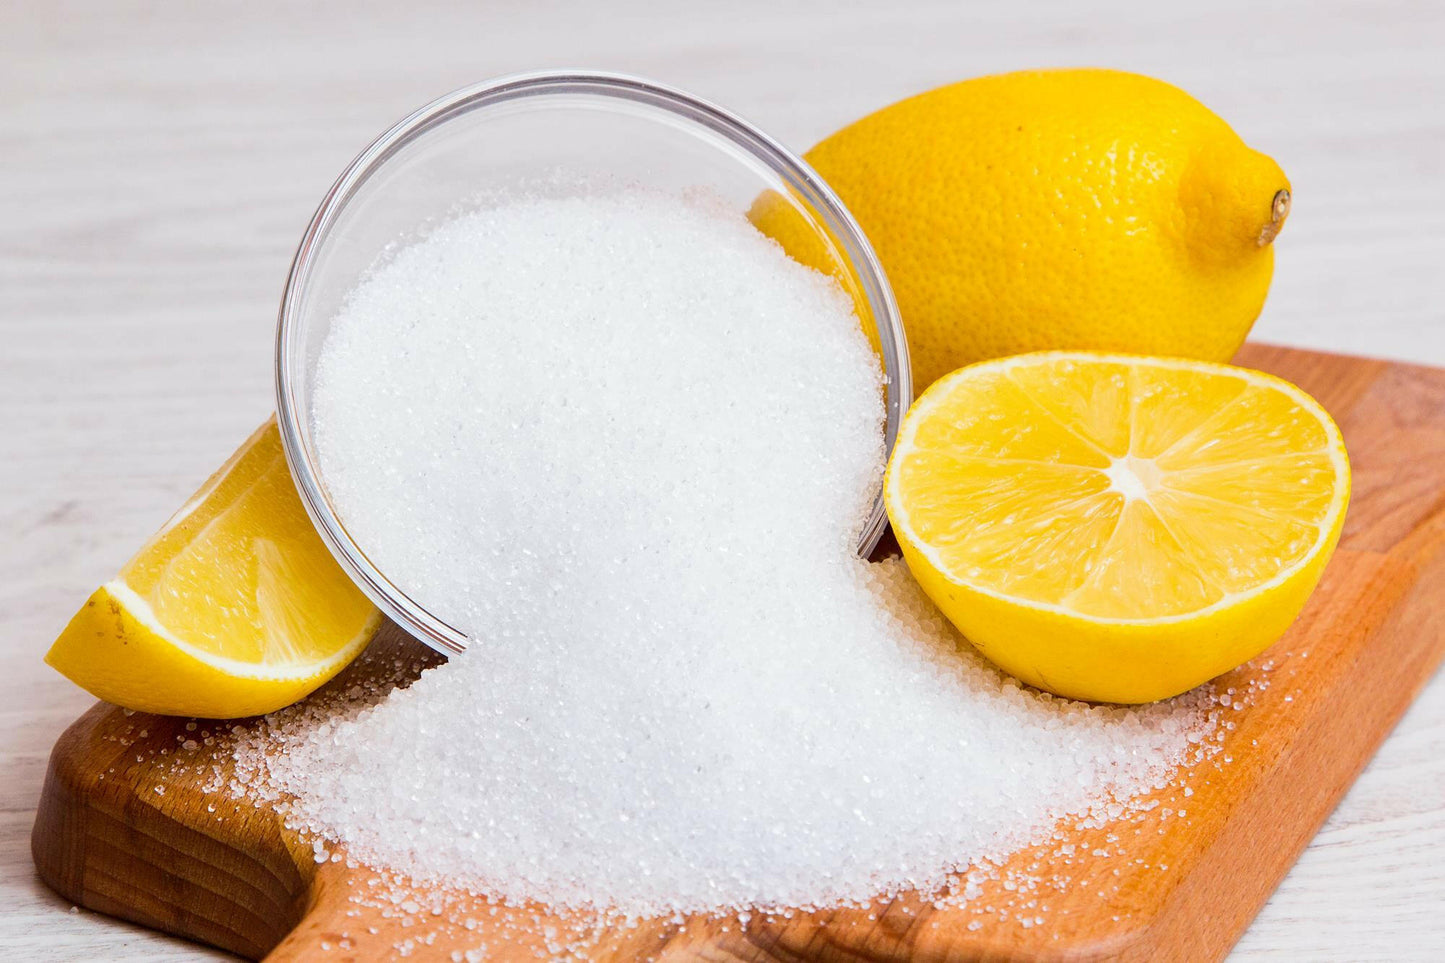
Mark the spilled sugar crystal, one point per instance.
(626, 444)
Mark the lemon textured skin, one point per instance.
(1110, 660)
(1060, 209)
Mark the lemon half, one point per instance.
(234, 608)
(1113, 527)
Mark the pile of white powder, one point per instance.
(626, 444)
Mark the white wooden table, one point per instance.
(157, 167)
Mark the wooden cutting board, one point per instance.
(1179, 882)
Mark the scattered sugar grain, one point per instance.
(626, 445)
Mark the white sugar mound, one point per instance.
(626, 444)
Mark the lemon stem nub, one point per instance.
(1278, 211)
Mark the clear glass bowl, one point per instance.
(483, 140)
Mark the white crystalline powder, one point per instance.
(626, 444)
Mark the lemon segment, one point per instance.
(1117, 528)
(234, 608)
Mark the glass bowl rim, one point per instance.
(389, 597)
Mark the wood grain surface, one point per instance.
(158, 163)
(120, 829)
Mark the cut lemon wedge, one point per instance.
(234, 608)
(1117, 528)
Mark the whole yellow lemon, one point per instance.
(1061, 209)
